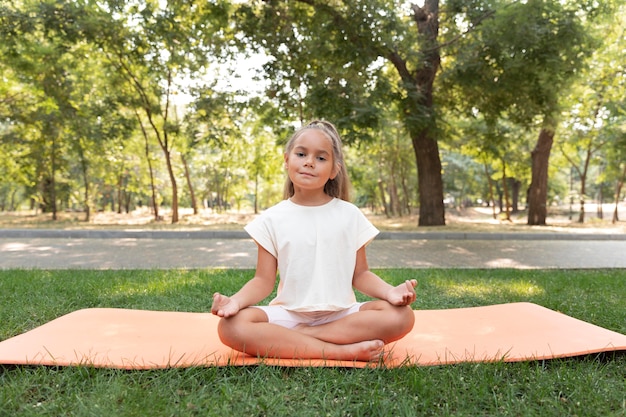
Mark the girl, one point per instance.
(316, 240)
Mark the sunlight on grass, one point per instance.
(488, 289)
(161, 286)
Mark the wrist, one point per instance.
(237, 302)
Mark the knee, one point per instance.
(229, 333)
(235, 331)
(224, 331)
(406, 319)
(403, 322)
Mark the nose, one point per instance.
(310, 161)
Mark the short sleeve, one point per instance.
(366, 230)
(259, 230)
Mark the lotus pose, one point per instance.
(315, 239)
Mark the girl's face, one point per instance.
(310, 163)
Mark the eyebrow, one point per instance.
(307, 149)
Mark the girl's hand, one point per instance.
(403, 294)
(224, 306)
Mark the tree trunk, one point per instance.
(430, 182)
(170, 171)
(127, 199)
(256, 193)
(583, 184)
(581, 214)
(192, 194)
(53, 185)
(120, 190)
(538, 190)
(505, 189)
(515, 187)
(394, 201)
(618, 193)
(381, 189)
(85, 171)
(406, 202)
(492, 198)
(155, 204)
(164, 143)
(419, 114)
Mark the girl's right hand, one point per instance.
(224, 306)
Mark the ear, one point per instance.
(286, 158)
(335, 171)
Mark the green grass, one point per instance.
(591, 386)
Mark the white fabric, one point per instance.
(290, 319)
(316, 251)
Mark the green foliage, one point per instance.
(594, 125)
(519, 60)
(382, 172)
(100, 102)
(322, 62)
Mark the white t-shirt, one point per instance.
(316, 249)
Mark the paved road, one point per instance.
(98, 249)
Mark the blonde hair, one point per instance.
(339, 186)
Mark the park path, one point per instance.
(118, 249)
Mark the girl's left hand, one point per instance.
(404, 294)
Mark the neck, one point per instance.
(307, 198)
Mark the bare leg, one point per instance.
(376, 320)
(249, 332)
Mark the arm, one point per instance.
(255, 290)
(371, 284)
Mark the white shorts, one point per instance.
(290, 319)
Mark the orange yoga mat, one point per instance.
(138, 339)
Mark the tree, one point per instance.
(102, 124)
(579, 153)
(517, 65)
(265, 157)
(328, 60)
(381, 171)
(164, 45)
(499, 146)
(614, 132)
(213, 127)
(595, 104)
(15, 176)
(39, 48)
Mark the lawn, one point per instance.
(590, 386)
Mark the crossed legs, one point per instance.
(358, 336)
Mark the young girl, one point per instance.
(316, 240)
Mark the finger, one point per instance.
(216, 298)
